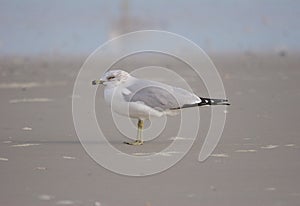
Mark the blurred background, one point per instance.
(255, 47)
(78, 27)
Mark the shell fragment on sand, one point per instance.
(41, 168)
(69, 157)
(27, 128)
(16, 85)
(270, 189)
(289, 145)
(219, 155)
(167, 154)
(13, 101)
(246, 150)
(3, 159)
(97, 203)
(142, 153)
(45, 197)
(24, 145)
(269, 146)
(65, 202)
(181, 138)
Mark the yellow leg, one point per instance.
(139, 140)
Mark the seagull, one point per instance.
(141, 99)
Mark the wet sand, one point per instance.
(256, 162)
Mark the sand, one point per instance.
(256, 162)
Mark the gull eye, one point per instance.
(110, 77)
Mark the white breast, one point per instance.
(114, 97)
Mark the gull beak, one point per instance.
(96, 82)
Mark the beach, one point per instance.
(256, 162)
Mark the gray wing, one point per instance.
(158, 95)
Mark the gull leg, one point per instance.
(139, 140)
(140, 131)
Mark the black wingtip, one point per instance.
(208, 101)
(223, 102)
(205, 102)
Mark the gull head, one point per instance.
(112, 78)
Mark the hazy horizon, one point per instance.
(76, 27)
